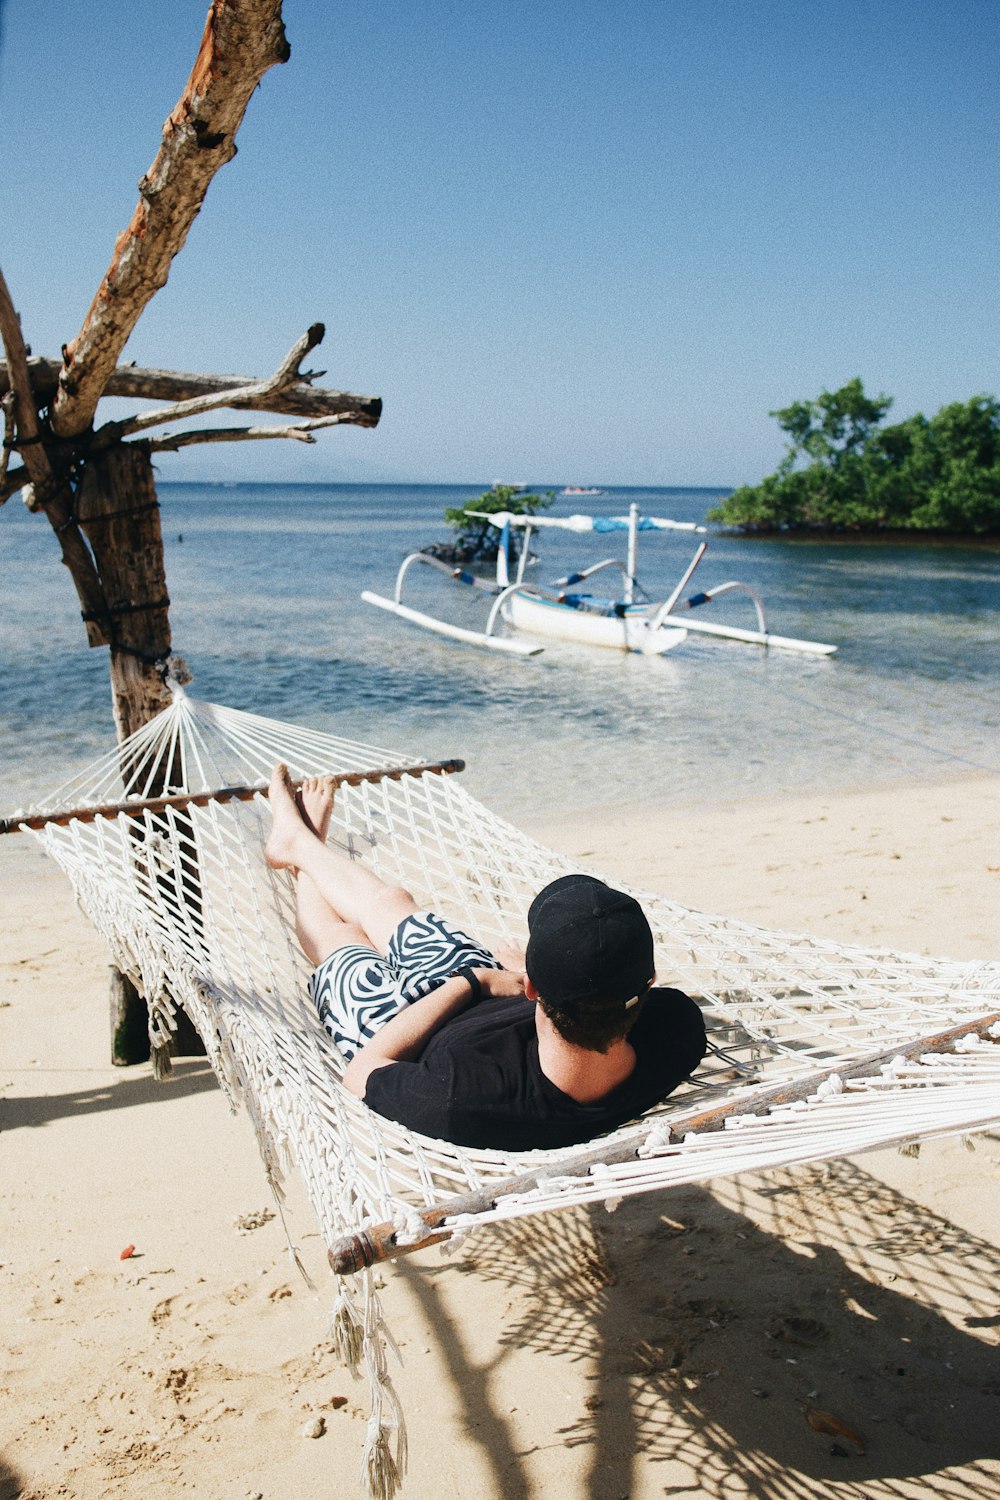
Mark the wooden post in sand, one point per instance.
(119, 516)
(96, 487)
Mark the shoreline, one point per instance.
(671, 1346)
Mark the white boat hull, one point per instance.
(561, 622)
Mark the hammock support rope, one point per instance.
(178, 886)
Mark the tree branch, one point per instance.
(16, 480)
(8, 439)
(51, 490)
(286, 374)
(241, 40)
(22, 404)
(169, 443)
(140, 384)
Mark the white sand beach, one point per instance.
(677, 1347)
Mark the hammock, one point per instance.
(817, 1049)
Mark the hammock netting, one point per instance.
(194, 917)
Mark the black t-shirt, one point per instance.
(478, 1081)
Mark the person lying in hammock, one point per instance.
(569, 1042)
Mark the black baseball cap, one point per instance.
(588, 944)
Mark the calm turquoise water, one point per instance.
(265, 583)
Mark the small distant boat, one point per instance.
(577, 489)
(630, 622)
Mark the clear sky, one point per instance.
(566, 241)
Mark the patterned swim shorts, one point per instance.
(356, 990)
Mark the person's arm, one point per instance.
(403, 1038)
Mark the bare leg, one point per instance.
(320, 929)
(338, 899)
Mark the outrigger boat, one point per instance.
(560, 610)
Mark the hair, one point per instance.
(593, 1027)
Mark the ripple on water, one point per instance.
(266, 608)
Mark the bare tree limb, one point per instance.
(51, 490)
(241, 40)
(17, 479)
(169, 443)
(140, 384)
(8, 439)
(286, 374)
(22, 404)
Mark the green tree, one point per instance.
(476, 539)
(844, 471)
(831, 428)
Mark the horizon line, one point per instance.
(455, 484)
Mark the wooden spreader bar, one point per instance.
(137, 806)
(367, 1246)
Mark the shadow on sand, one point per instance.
(12, 1483)
(714, 1325)
(121, 1091)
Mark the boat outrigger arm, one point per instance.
(558, 610)
(486, 638)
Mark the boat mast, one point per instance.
(522, 561)
(633, 548)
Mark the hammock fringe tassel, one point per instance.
(347, 1333)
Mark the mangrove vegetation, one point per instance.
(846, 471)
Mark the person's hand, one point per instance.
(511, 956)
(500, 983)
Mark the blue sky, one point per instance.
(590, 242)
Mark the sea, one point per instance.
(265, 583)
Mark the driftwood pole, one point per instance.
(97, 488)
(120, 517)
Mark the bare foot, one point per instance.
(287, 828)
(315, 801)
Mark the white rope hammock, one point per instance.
(194, 917)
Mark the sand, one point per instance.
(681, 1346)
